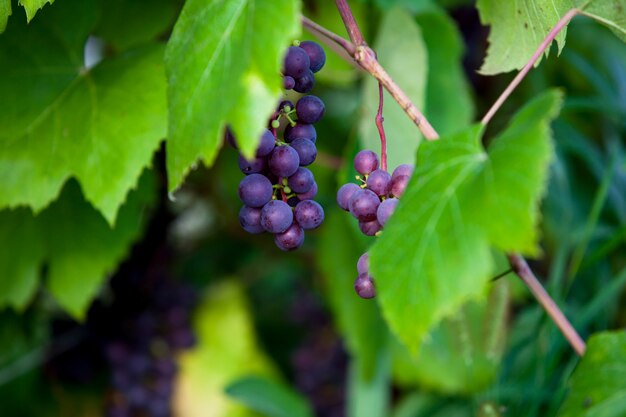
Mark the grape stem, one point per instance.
(381, 130)
(366, 58)
(545, 44)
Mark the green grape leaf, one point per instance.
(223, 62)
(269, 397)
(32, 6)
(598, 385)
(611, 13)
(75, 242)
(127, 23)
(517, 29)
(462, 354)
(60, 120)
(399, 46)
(358, 320)
(5, 12)
(434, 254)
(226, 346)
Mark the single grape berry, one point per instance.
(345, 193)
(305, 83)
(288, 82)
(398, 185)
(284, 161)
(317, 56)
(309, 109)
(266, 144)
(404, 169)
(379, 181)
(253, 166)
(306, 151)
(309, 214)
(276, 216)
(386, 209)
(301, 181)
(296, 62)
(300, 131)
(363, 205)
(363, 264)
(370, 228)
(309, 195)
(290, 239)
(365, 162)
(250, 219)
(255, 190)
(364, 286)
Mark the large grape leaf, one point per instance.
(434, 254)
(59, 120)
(227, 350)
(598, 386)
(271, 398)
(401, 50)
(518, 27)
(223, 62)
(73, 240)
(30, 6)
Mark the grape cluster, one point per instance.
(372, 203)
(278, 189)
(141, 355)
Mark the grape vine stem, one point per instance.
(381, 129)
(366, 58)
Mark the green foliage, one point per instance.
(227, 351)
(5, 12)
(59, 119)
(30, 6)
(73, 240)
(598, 386)
(269, 397)
(435, 252)
(517, 29)
(222, 63)
(463, 353)
(399, 46)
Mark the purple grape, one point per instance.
(276, 216)
(398, 185)
(363, 205)
(296, 62)
(305, 83)
(300, 131)
(363, 264)
(306, 151)
(293, 201)
(379, 181)
(386, 209)
(284, 161)
(309, 214)
(364, 286)
(250, 220)
(365, 162)
(253, 166)
(317, 56)
(288, 82)
(345, 193)
(284, 104)
(290, 239)
(301, 181)
(255, 190)
(309, 195)
(370, 228)
(309, 109)
(404, 169)
(266, 144)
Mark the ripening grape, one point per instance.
(364, 286)
(255, 190)
(276, 216)
(306, 150)
(379, 181)
(300, 131)
(309, 214)
(363, 264)
(345, 193)
(309, 195)
(309, 109)
(301, 181)
(290, 239)
(363, 205)
(284, 161)
(385, 210)
(365, 162)
(398, 185)
(317, 56)
(370, 228)
(252, 166)
(296, 62)
(250, 219)
(305, 83)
